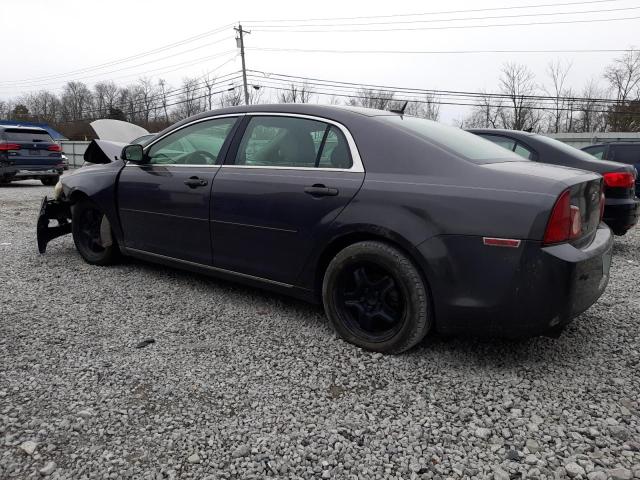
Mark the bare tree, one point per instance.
(487, 113)
(231, 97)
(104, 95)
(517, 83)
(623, 76)
(148, 99)
(190, 101)
(561, 117)
(162, 89)
(427, 108)
(4, 109)
(209, 83)
(76, 101)
(590, 116)
(296, 94)
(368, 98)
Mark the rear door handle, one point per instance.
(319, 190)
(195, 182)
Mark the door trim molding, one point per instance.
(208, 268)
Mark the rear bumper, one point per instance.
(621, 214)
(27, 174)
(513, 292)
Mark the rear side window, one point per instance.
(629, 154)
(25, 135)
(597, 152)
(465, 144)
(523, 151)
(504, 142)
(292, 142)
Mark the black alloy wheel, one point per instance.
(87, 221)
(376, 298)
(371, 299)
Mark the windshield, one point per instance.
(465, 144)
(144, 139)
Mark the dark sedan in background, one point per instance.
(621, 152)
(622, 208)
(398, 225)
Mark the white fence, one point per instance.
(74, 152)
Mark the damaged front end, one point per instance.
(52, 210)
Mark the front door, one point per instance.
(283, 184)
(164, 203)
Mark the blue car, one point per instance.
(29, 153)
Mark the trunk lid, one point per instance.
(35, 148)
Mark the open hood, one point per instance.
(117, 130)
(103, 151)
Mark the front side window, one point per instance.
(197, 144)
(292, 142)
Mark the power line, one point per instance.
(514, 7)
(450, 27)
(402, 22)
(132, 57)
(410, 90)
(122, 68)
(437, 52)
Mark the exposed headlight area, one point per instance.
(57, 190)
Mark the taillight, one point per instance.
(5, 147)
(565, 222)
(619, 179)
(54, 148)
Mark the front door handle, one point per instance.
(319, 190)
(195, 182)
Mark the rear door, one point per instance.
(285, 180)
(164, 204)
(37, 150)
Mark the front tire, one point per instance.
(86, 224)
(376, 298)
(50, 181)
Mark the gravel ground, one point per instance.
(243, 384)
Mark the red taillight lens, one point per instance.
(565, 222)
(54, 148)
(5, 147)
(619, 179)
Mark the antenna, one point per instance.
(401, 109)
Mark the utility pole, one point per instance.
(240, 43)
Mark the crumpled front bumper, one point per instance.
(52, 210)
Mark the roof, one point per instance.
(45, 126)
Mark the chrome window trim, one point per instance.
(357, 166)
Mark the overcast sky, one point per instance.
(45, 38)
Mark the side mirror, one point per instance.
(132, 153)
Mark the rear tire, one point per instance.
(86, 223)
(376, 298)
(50, 181)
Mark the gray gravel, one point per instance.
(243, 384)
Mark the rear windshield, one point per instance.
(629, 154)
(563, 147)
(467, 145)
(24, 135)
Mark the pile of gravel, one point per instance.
(244, 384)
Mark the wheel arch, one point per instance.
(371, 233)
